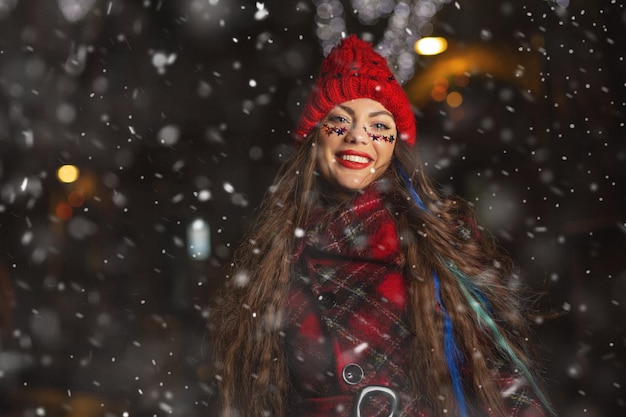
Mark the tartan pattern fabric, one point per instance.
(354, 258)
(518, 397)
(347, 306)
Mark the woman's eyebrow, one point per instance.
(381, 113)
(348, 109)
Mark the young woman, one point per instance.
(361, 291)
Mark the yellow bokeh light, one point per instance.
(431, 45)
(454, 99)
(441, 81)
(68, 173)
(439, 93)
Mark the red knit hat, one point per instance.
(354, 70)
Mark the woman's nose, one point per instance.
(358, 134)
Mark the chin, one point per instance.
(353, 185)
(346, 186)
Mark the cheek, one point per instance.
(322, 160)
(385, 152)
(325, 148)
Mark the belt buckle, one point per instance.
(390, 394)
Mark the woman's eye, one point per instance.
(338, 119)
(381, 126)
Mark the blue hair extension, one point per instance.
(486, 322)
(452, 352)
(453, 355)
(409, 186)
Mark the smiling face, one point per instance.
(356, 143)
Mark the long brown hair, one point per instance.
(250, 365)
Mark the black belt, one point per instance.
(388, 393)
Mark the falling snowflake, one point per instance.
(161, 60)
(261, 12)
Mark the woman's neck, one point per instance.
(333, 195)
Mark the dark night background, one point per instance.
(180, 111)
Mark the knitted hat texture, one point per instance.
(354, 70)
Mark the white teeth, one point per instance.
(355, 158)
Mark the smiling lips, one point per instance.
(353, 159)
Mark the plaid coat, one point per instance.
(347, 326)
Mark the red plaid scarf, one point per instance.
(347, 305)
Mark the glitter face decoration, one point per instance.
(339, 131)
(384, 138)
(332, 129)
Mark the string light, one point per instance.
(407, 22)
(431, 45)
